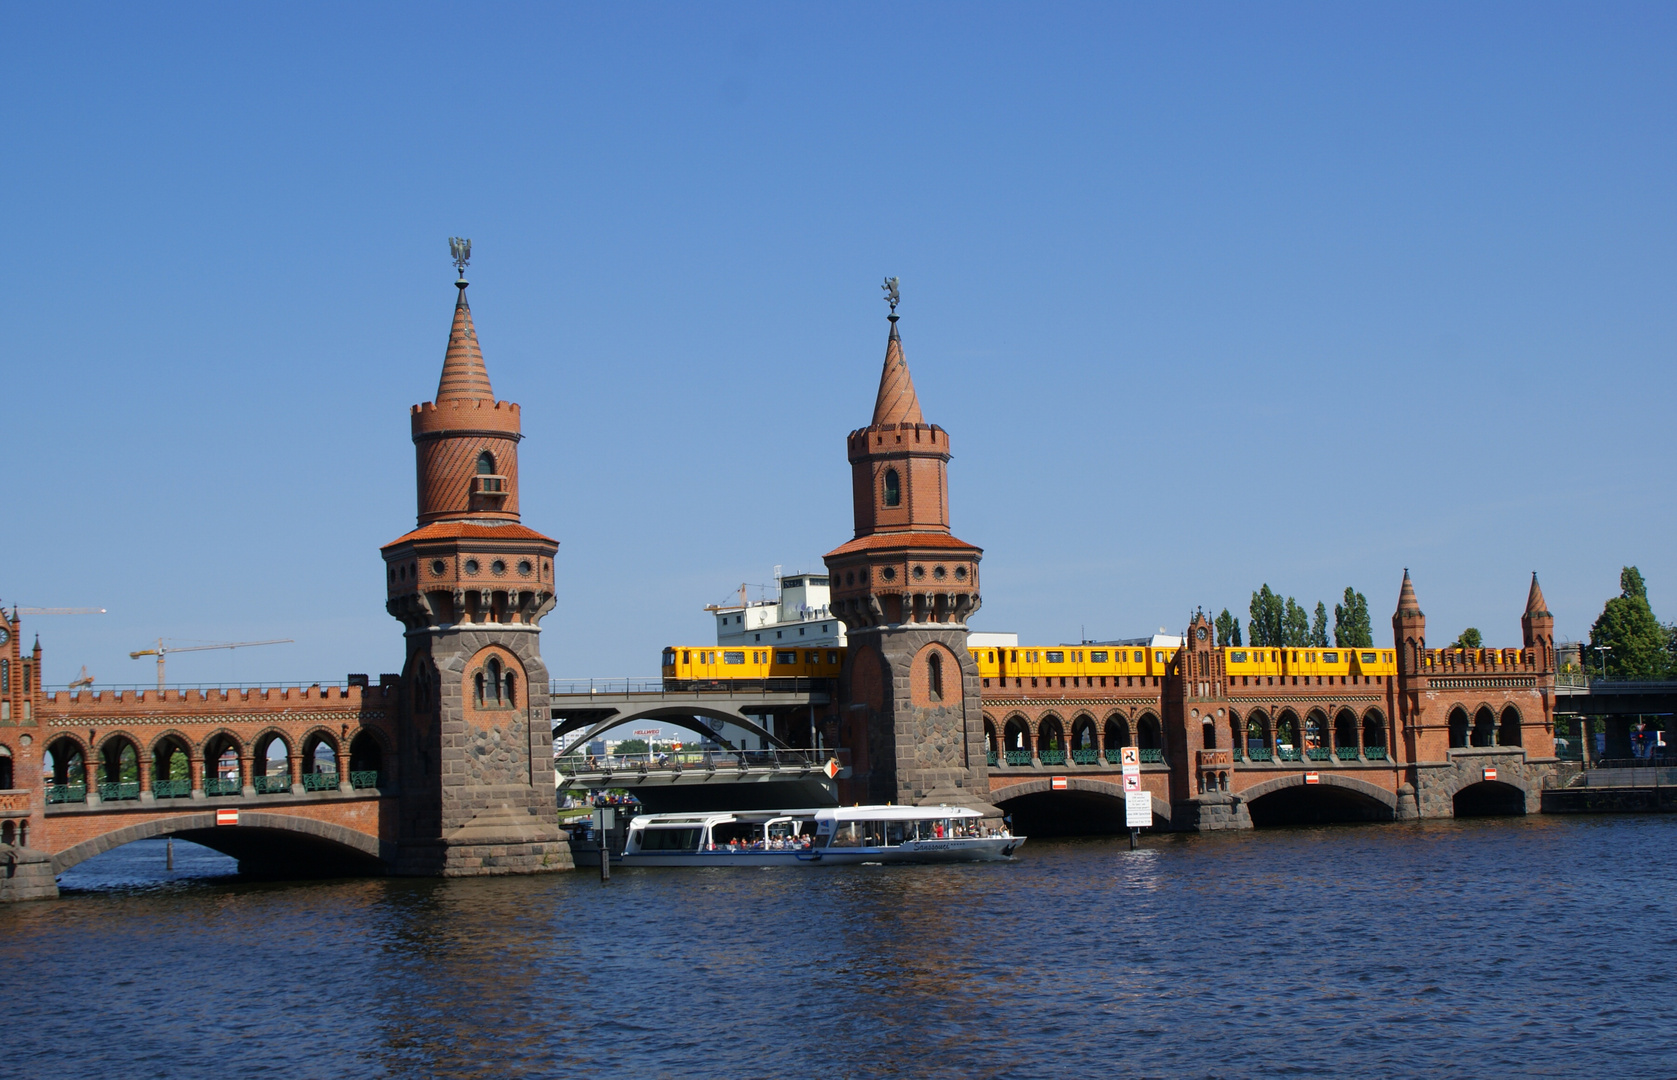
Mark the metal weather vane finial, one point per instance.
(461, 249)
(892, 296)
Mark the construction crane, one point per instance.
(59, 611)
(162, 651)
(84, 679)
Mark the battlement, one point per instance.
(86, 703)
(1480, 661)
(889, 438)
(465, 414)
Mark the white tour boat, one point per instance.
(829, 835)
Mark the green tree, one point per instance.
(1228, 629)
(631, 746)
(1470, 639)
(1296, 625)
(1351, 626)
(1319, 625)
(1638, 646)
(1268, 625)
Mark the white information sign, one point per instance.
(1138, 809)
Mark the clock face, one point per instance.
(5, 635)
(1200, 633)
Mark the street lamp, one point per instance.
(1604, 650)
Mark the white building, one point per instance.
(802, 615)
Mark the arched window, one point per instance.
(480, 688)
(1209, 734)
(512, 688)
(5, 769)
(495, 679)
(934, 676)
(486, 464)
(5, 676)
(893, 488)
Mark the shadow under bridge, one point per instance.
(736, 776)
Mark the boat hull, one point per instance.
(978, 849)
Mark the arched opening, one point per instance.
(1016, 741)
(1117, 737)
(8, 833)
(1051, 741)
(1237, 734)
(1316, 735)
(366, 761)
(1287, 736)
(992, 742)
(1484, 727)
(1065, 813)
(1508, 734)
(5, 769)
(271, 765)
(1458, 728)
(1374, 736)
(1315, 804)
(492, 675)
(171, 768)
(320, 763)
(1489, 798)
(893, 488)
(486, 464)
(934, 675)
(1085, 745)
(221, 766)
(1258, 746)
(65, 766)
(1208, 734)
(1150, 745)
(119, 770)
(1345, 735)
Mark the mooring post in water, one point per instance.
(604, 819)
(169, 856)
(1135, 839)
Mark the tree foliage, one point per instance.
(1470, 638)
(1297, 623)
(1228, 629)
(1639, 647)
(1351, 628)
(1319, 626)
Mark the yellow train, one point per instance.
(701, 666)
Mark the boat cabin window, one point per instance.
(686, 839)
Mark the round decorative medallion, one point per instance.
(960, 573)
(524, 568)
(497, 568)
(889, 573)
(919, 572)
(438, 568)
(939, 573)
(471, 566)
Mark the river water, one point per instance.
(1536, 947)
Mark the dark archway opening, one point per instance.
(1490, 798)
(366, 761)
(1484, 727)
(1065, 813)
(1458, 728)
(1016, 742)
(1508, 734)
(1315, 804)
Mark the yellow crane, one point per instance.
(60, 611)
(162, 651)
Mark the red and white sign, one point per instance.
(1132, 782)
(1129, 755)
(832, 768)
(226, 817)
(650, 733)
(1490, 774)
(1058, 783)
(1312, 778)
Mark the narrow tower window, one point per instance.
(893, 488)
(934, 672)
(495, 679)
(486, 464)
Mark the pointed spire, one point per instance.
(1406, 598)
(897, 403)
(464, 376)
(1535, 604)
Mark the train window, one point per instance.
(1056, 657)
(812, 658)
(1237, 658)
(1295, 658)
(733, 657)
(1330, 658)
(1368, 658)
(832, 656)
(687, 657)
(669, 657)
(1158, 658)
(787, 657)
(1015, 659)
(1097, 656)
(1138, 656)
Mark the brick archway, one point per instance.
(1161, 808)
(1329, 780)
(359, 845)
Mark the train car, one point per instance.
(1316, 661)
(697, 667)
(1251, 662)
(1370, 662)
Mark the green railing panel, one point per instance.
(320, 781)
(1114, 755)
(1234, 754)
(217, 786)
(1153, 757)
(1260, 755)
(171, 789)
(364, 779)
(61, 793)
(1018, 757)
(1086, 757)
(991, 756)
(1317, 753)
(1053, 757)
(1374, 753)
(272, 785)
(1284, 754)
(1346, 753)
(119, 792)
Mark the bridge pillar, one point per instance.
(26, 874)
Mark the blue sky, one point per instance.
(1207, 296)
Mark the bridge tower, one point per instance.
(1196, 699)
(904, 586)
(470, 586)
(1409, 636)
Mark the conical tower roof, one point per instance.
(1535, 604)
(897, 402)
(464, 376)
(1406, 598)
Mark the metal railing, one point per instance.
(1317, 753)
(320, 781)
(118, 791)
(66, 793)
(1345, 753)
(1018, 757)
(1052, 757)
(271, 785)
(1086, 757)
(215, 786)
(697, 760)
(171, 789)
(1152, 757)
(1374, 753)
(720, 687)
(990, 758)
(1262, 753)
(362, 779)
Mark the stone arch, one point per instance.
(1345, 729)
(1336, 797)
(313, 762)
(1237, 732)
(161, 755)
(369, 754)
(1315, 730)
(69, 759)
(1374, 730)
(118, 762)
(1287, 731)
(934, 677)
(244, 840)
(1085, 740)
(1117, 731)
(494, 681)
(1051, 739)
(1149, 734)
(1489, 798)
(1458, 728)
(263, 774)
(1017, 744)
(1508, 731)
(1094, 806)
(1484, 726)
(992, 739)
(1257, 731)
(223, 754)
